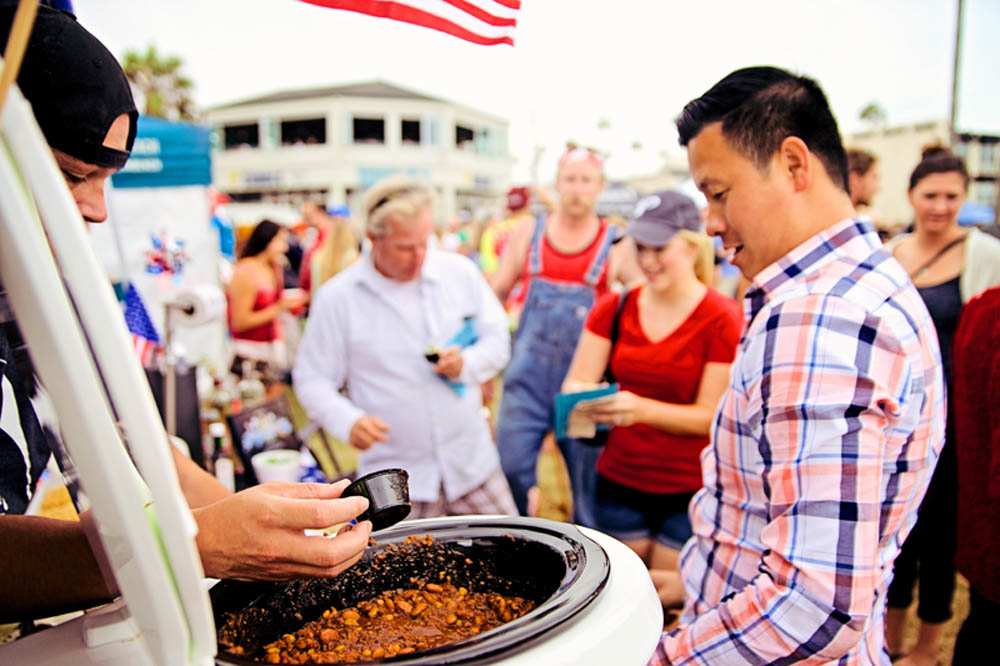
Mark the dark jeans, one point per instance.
(629, 514)
(978, 636)
(928, 554)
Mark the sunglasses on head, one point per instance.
(386, 199)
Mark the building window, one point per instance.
(245, 197)
(484, 141)
(464, 137)
(501, 141)
(295, 132)
(989, 156)
(984, 192)
(410, 132)
(241, 136)
(369, 130)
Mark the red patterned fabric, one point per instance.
(976, 404)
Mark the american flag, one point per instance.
(145, 340)
(487, 22)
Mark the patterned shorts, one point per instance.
(491, 497)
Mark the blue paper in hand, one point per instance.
(466, 337)
(565, 402)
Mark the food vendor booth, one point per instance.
(594, 602)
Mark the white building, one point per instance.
(331, 143)
(982, 156)
(898, 150)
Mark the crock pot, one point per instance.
(594, 599)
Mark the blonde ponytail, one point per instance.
(338, 251)
(704, 262)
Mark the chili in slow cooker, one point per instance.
(394, 623)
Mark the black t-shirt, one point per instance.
(944, 303)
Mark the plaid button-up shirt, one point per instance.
(822, 449)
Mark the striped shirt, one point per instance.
(822, 449)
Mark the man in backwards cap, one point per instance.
(83, 103)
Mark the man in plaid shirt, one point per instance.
(826, 438)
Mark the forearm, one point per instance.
(49, 569)
(325, 405)
(321, 370)
(690, 420)
(819, 565)
(199, 487)
(511, 261)
(767, 621)
(501, 283)
(573, 380)
(589, 360)
(483, 362)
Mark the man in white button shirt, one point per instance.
(368, 330)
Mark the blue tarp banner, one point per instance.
(972, 213)
(167, 154)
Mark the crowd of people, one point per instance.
(592, 303)
(785, 462)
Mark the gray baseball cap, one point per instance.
(659, 216)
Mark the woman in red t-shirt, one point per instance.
(676, 340)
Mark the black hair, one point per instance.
(938, 159)
(760, 107)
(860, 161)
(260, 238)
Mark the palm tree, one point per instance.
(874, 114)
(158, 78)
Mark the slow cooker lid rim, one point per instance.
(591, 572)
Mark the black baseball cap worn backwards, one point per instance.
(75, 86)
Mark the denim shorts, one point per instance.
(628, 514)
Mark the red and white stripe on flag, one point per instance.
(145, 350)
(487, 22)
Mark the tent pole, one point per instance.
(112, 222)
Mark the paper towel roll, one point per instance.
(199, 304)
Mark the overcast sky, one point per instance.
(633, 62)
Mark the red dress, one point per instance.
(640, 456)
(268, 332)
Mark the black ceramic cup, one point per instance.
(388, 494)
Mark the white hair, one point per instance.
(398, 198)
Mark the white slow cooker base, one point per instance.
(621, 627)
